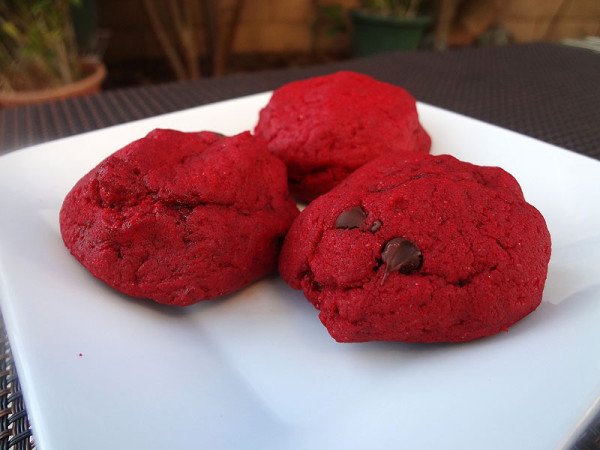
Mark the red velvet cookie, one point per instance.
(324, 128)
(419, 249)
(180, 217)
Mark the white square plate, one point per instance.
(256, 370)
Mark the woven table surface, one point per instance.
(546, 91)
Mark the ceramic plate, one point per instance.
(256, 370)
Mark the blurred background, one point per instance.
(47, 44)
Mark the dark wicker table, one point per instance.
(546, 91)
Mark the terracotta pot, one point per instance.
(89, 85)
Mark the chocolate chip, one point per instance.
(402, 255)
(351, 218)
(376, 226)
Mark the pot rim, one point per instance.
(87, 85)
(374, 17)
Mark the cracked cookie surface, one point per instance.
(180, 217)
(325, 127)
(419, 249)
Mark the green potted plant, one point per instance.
(387, 25)
(39, 59)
